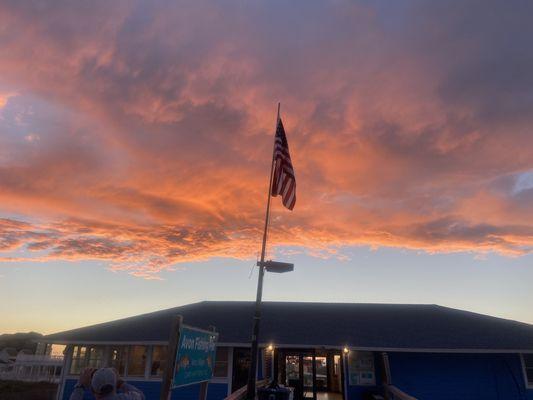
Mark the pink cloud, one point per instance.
(154, 127)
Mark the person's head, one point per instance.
(104, 382)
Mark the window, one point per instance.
(221, 363)
(528, 368)
(136, 360)
(336, 364)
(78, 360)
(41, 348)
(117, 358)
(95, 357)
(159, 360)
(85, 356)
(56, 350)
(292, 369)
(321, 369)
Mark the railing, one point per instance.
(38, 359)
(397, 394)
(33, 368)
(240, 394)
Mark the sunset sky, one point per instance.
(136, 136)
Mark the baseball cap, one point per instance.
(104, 381)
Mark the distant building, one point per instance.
(324, 351)
(8, 355)
(25, 366)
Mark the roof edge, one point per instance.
(319, 346)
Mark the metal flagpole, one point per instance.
(257, 315)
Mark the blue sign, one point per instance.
(195, 359)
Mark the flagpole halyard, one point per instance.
(257, 313)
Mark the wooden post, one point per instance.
(173, 340)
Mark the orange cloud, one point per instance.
(146, 142)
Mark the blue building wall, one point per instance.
(459, 376)
(151, 390)
(433, 376)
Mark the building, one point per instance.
(8, 355)
(324, 351)
(25, 366)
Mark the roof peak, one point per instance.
(328, 304)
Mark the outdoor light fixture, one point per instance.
(270, 347)
(276, 266)
(346, 350)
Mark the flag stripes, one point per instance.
(284, 181)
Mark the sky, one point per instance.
(136, 136)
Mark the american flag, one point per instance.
(284, 181)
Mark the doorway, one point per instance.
(312, 374)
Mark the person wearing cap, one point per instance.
(105, 385)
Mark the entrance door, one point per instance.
(300, 374)
(313, 374)
(309, 377)
(321, 373)
(293, 374)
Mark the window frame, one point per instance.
(123, 357)
(100, 359)
(147, 349)
(72, 358)
(151, 359)
(528, 384)
(147, 376)
(226, 361)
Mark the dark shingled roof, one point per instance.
(380, 326)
